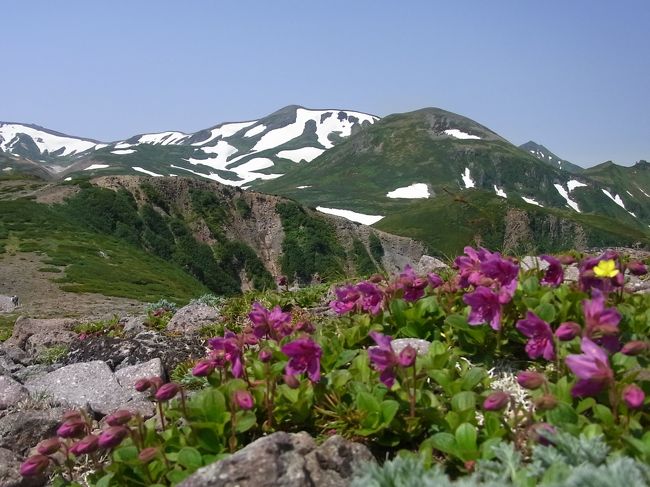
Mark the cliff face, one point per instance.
(271, 226)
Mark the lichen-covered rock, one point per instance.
(291, 459)
(428, 264)
(11, 392)
(129, 375)
(420, 346)
(10, 472)
(21, 430)
(191, 318)
(35, 335)
(531, 262)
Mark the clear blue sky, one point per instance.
(572, 75)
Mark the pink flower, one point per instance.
(34, 465)
(486, 307)
(49, 446)
(635, 347)
(601, 324)
(243, 399)
(385, 360)
(228, 349)
(73, 428)
(167, 392)
(554, 275)
(637, 268)
(273, 323)
(412, 285)
(347, 297)
(86, 445)
(592, 369)
(113, 436)
(372, 298)
(203, 368)
(496, 401)
(530, 380)
(119, 417)
(540, 343)
(304, 356)
(469, 265)
(633, 396)
(568, 331)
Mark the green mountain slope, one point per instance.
(545, 155)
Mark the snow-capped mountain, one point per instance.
(231, 153)
(545, 155)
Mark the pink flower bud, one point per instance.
(148, 454)
(635, 347)
(119, 417)
(203, 368)
(34, 465)
(633, 396)
(407, 356)
(142, 385)
(243, 399)
(112, 436)
(566, 259)
(546, 402)
(167, 391)
(87, 445)
(568, 331)
(496, 401)
(291, 381)
(49, 446)
(266, 355)
(530, 380)
(637, 268)
(434, 280)
(73, 428)
(542, 433)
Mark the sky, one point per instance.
(571, 75)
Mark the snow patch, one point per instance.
(500, 192)
(629, 193)
(253, 165)
(306, 154)
(258, 129)
(123, 152)
(66, 179)
(531, 201)
(565, 195)
(648, 195)
(302, 187)
(122, 145)
(617, 199)
(415, 190)
(96, 166)
(150, 173)
(467, 179)
(351, 215)
(573, 184)
(162, 138)
(459, 134)
(45, 141)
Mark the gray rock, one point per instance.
(78, 385)
(291, 459)
(14, 354)
(530, 262)
(7, 304)
(128, 376)
(11, 392)
(34, 335)
(191, 318)
(134, 325)
(571, 273)
(429, 264)
(10, 472)
(32, 372)
(22, 430)
(421, 346)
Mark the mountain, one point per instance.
(543, 154)
(146, 238)
(231, 153)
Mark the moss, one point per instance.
(361, 258)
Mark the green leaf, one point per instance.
(445, 442)
(546, 312)
(562, 414)
(177, 476)
(457, 321)
(367, 402)
(190, 458)
(463, 401)
(466, 436)
(472, 378)
(585, 404)
(105, 481)
(126, 454)
(389, 409)
(245, 421)
(604, 414)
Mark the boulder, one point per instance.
(129, 375)
(291, 459)
(429, 264)
(420, 346)
(36, 335)
(191, 318)
(10, 472)
(80, 385)
(533, 262)
(134, 324)
(11, 392)
(22, 430)
(8, 303)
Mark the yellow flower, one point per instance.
(606, 268)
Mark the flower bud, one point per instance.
(568, 331)
(167, 391)
(148, 454)
(156, 383)
(496, 401)
(566, 259)
(637, 268)
(376, 278)
(291, 381)
(434, 280)
(88, 444)
(34, 465)
(73, 428)
(243, 399)
(407, 356)
(306, 327)
(72, 414)
(49, 446)
(142, 385)
(119, 417)
(635, 347)
(203, 368)
(530, 380)
(542, 433)
(546, 402)
(112, 436)
(266, 355)
(633, 396)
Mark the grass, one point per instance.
(7, 322)
(52, 354)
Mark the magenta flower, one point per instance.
(469, 265)
(637, 268)
(635, 347)
(601, 324)
(568, 331)
(385, 360)
(304, 356)
(243, 399)
(486, 307)
(504, 272)
(434, 280)
(273, 323)
(372, 298)
(119, 417)
(592, 369)
(346, 299)
(412, 285)
(34, 465)
(113, 436)
(588, 279)
(86, 445)
(554, 275)
(540, 343)
(49, 446)
(530, 380)
(73, 428)
(228, 349)
(633, 396)
(167, 391)
(496, 401)
(203, 368)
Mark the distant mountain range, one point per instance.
(430, 174)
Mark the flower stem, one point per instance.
(412, 394)
(162, 416)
